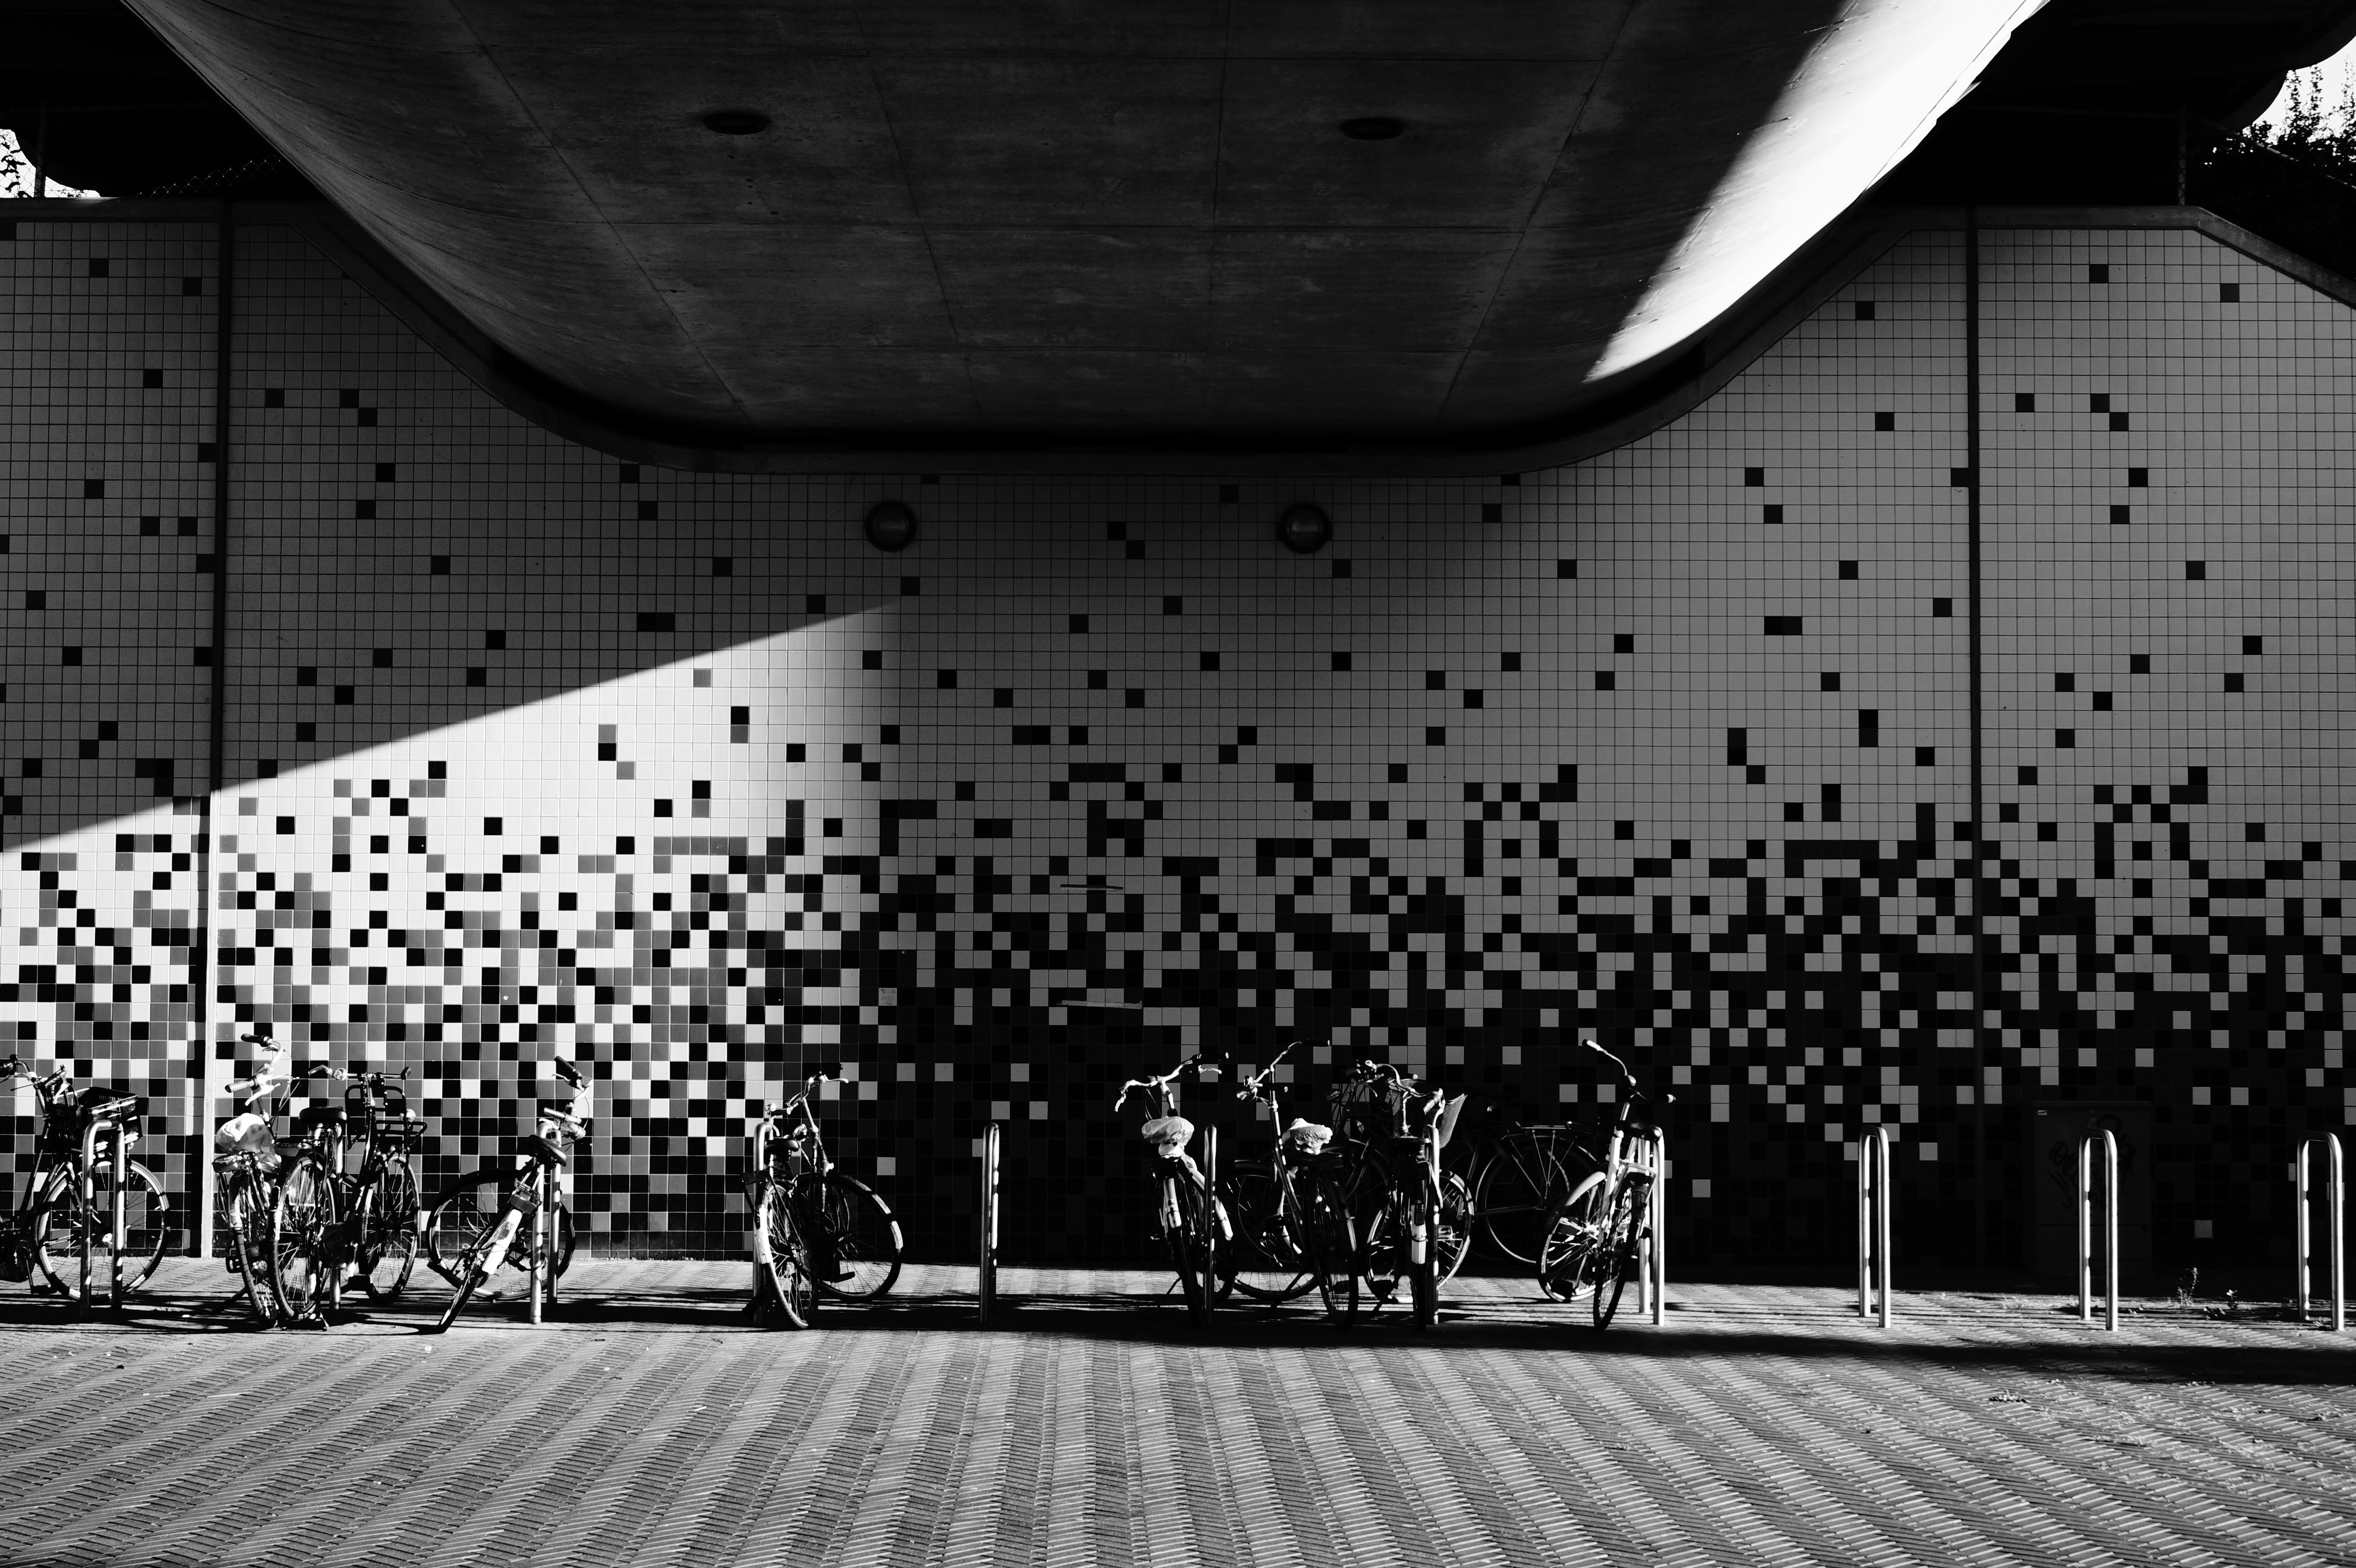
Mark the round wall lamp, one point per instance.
(736, 123)
(1372, 128)
(1304, 529)
(891, 527)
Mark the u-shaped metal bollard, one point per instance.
(1873, 1222)
(2110, 1229)
(986, 1288)
(2336, 1231)
(1653, 1269)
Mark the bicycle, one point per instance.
(330, 1227)
(1594, 1235)
(468, 1240)
(1291, 1233)
(816, 1229)
(1191, 1220)
(1516, 1172)
(1411, 1214)
(67, 1212)
(247, 1159)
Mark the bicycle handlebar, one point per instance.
(1197, 1063)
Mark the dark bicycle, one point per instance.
(1291, 1230)
(64, 1226)
(816, 1229)
(332, 1225)
(1188, 1217)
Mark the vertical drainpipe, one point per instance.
(1978, 846)
(200, 957)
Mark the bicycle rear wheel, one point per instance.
(1527, 1174)
(389, 1233)
(792, 1295)
(854, 1240)
(464, 1211)
(58, 1223)
(1267, 1260)
(302, 1223)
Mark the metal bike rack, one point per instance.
(2110, 1229)
(116, 1224)
(1651, 1263)
(1874, 1153)
(987, 1288)
(756, 1158)
(2335, 1228)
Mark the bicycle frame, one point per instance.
(107, 1121)
(797, 1125)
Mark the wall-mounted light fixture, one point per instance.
(736, 123)
(1304, 529)
(891, 527)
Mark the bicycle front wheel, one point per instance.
(302, 1225)
(1332, 1246)
(1518, 1185)
(792, 1294)
(854, 1239)
(245, 1222)
(388, 1236)
(1267, 1260)
(1189, 1242)
(59, 1225)
(1572, 1229)
(1614, 1257)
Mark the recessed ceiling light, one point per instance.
(1372, 128)
(891, 527)
(736, 123)
(1304, 529)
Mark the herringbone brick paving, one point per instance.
(653, 1424)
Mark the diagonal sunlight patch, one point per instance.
(1871, 89)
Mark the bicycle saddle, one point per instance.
(320, 1116)
(538, 1148)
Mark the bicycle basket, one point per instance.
(1363, 1109)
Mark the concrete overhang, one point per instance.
(953, 225)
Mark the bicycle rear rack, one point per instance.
(1874, 1153)
(987, 1288)
(2110, 1229)
(2334, 1230)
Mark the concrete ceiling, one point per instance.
(976, 221)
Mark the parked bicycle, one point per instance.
(1189, 1220)
(63, 1226)
(816, 1229)
(1596, 1235)
(1292, 1231)
(1411, 1215)
(247, 1160)
(1516, 1172)
(333, 1225)
(470, 1237)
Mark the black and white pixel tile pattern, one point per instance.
(534, 752)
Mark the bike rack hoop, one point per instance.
(1874, 1162)
(985, 1286)
(2110, 1146)
(2335, 1227)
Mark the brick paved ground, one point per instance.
(654, 1425)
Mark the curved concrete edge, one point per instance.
(1628, 408)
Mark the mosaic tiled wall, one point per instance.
(531, 752)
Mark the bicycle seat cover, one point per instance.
(1168, 1135)
(245, 1133)
(1308, 1136)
